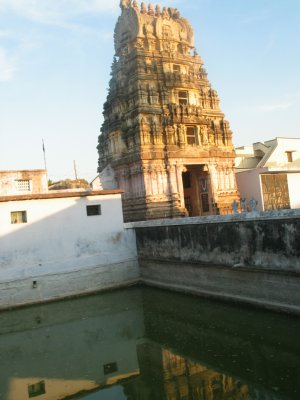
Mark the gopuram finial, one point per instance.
(143, 8)
(150, 9)
(157, 10)
(125, 4)
(165, 12)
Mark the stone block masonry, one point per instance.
(252, 258)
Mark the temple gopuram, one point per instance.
(164, 137)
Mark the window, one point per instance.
(36, 389)
(18, 217)
(191, 135)
(93, 210)
(23, 185)
(110, 368)
(183, 97)
(176, 68)
(289, 155)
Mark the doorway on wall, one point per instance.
(197, 190)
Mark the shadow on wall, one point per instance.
(271, 243)
(65, 239)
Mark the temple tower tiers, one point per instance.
(164, 135)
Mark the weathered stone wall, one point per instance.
(252, 258)
(263, 242)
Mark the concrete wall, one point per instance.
(60, 252)
(61, 248)
(249, 185)
(294, 192)
(38, 182)
(278, 157)
(249, 258)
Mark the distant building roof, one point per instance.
(13, 171)
(279, 153)
(76, 184)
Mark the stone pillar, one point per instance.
(179, 169)
(213, 171)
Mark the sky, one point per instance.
(55, 60)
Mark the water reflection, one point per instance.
(144, 344)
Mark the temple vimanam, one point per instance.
(164, 137)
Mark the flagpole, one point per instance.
(44, 155)
(75, 170)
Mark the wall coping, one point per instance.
(217, 219)
(59, 195)
(14, 171)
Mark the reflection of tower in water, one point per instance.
(186, 379)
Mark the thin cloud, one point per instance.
(7, 66)
(254, 19)
(52, 11)
(61, 13)
(275, 107)
(6, 34)
(288, 100)
(57, 11)
(293, 96)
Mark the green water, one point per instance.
(148, 345)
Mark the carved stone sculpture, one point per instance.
(166, 116)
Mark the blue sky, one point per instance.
(55, 58)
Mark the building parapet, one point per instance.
(217, 219)
(60, 195)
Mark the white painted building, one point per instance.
(59, 244)
(23, 182)
(279, 154)
(269, 172)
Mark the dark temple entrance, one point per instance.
(197, 190)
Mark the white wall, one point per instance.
(38, 182)
(59, 238)
(248, 183)
(278, 158)
(294, 189)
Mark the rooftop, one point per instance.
(59, 195)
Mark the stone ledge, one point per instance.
(59, 286)
(216, 219)
(264, 290)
